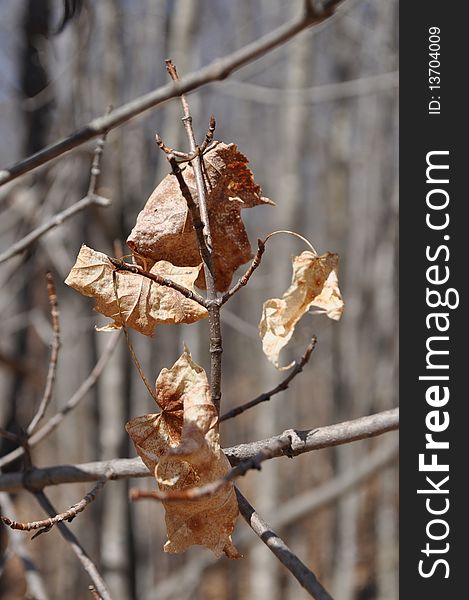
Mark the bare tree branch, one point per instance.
(256, 261)
(56, 220)
(283, 385)
(77, 397)
(50, 380)
(297, 442)
(91, 198)
(215, 71)
(297, 568)
(45, 525)
(292, 443)
(77, 548)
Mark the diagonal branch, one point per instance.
(216, 71)
(256, 261)
(72, 402)
(45, 525)
(91, 199)
(55, 221)
(77, 548)
(297, 568)
(50, 380)
(283, 385)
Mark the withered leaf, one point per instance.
(140, 302)
(181, 446)
(314, 284)
(164, 228)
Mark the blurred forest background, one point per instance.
(317, 119)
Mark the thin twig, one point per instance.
(80, 552)
(247, 276)
(54, 314)
(73, 401)
(297, 568)
(283, 385)
(45, 525)
(167, 150)
(197, 166)
(293, 443)
(190, 294)
(91, 198)
(209, 135)
(218, 70)
(55, 221)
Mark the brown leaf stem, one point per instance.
(123, 266)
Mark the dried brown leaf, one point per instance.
(164, 229)
(314, 284)
(140, 303)
(181, 446)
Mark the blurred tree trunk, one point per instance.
(272, 417)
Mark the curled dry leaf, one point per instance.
(140, 303)
(314, 284)
(164, 229)
(181, 446)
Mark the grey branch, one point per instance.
(77, 397)
(55, 221)
(77, 548)
(215, 71)
(297, 568)
(293, 443)
(91, 199)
